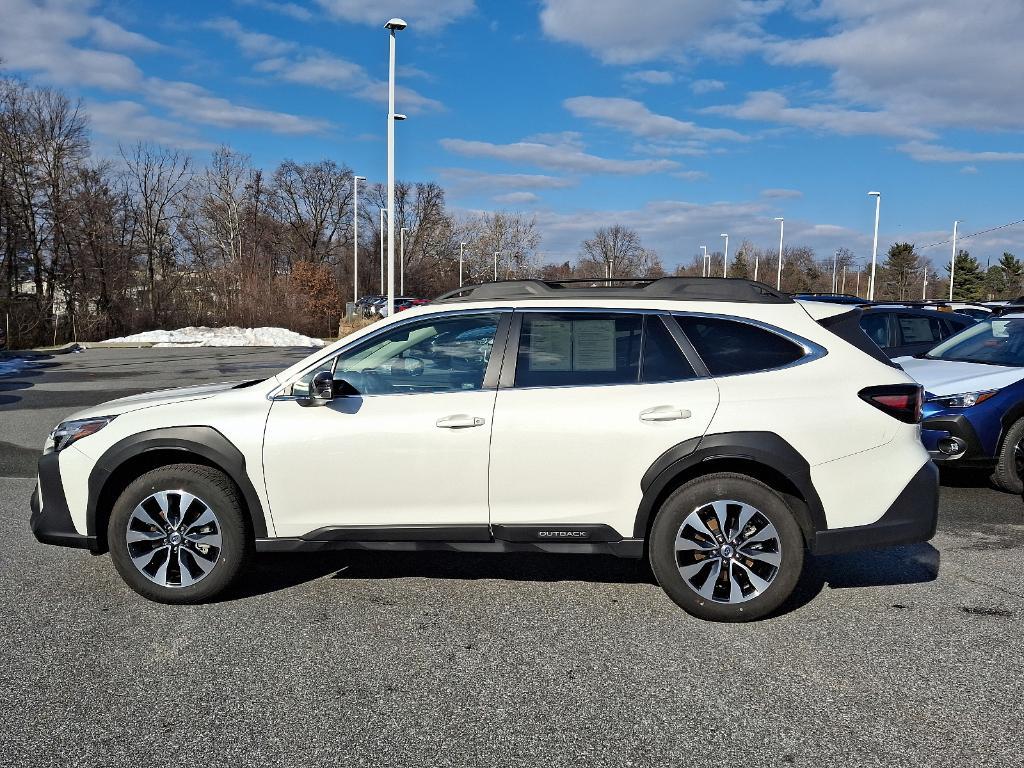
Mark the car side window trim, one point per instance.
(811, 350)
(494, 363)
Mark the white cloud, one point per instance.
(691, 175)
(425, 15)
(295, 11)
(650, 77)
(109, 35)
(634, 117)
(129, 121)
(252, 44)
(468, 180)
(777, 193)
(935, 153)
(557, 156)
(517, 198)
(706, 86)
(772, 107)
(969, 169)
(291, 63)
(627, 32)
(934, 63)
(191, 102)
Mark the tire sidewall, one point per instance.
(698, 493)
(215, 490)
(1005, 475)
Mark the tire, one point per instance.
(773, 547)
(1007, 474)
(178, 559)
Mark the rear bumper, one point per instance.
(911, 519)
(51, 518)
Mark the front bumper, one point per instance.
(937, 428)
(51, 518)
(911, 519)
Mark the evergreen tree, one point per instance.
(968, 280)
(901, 268)
(740, 266)
(1013, 269)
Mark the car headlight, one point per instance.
(68, 432)
(965, 400)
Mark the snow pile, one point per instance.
(230, 336)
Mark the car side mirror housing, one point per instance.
(321, 388)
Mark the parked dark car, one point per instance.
(902, 331)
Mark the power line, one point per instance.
(973, 234)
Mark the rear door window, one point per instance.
(918, 329)
(558, 349)
(729, 347)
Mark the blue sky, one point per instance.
(680, 118)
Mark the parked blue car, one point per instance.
(973, 414)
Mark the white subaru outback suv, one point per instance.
(715, 426)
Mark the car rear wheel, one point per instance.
(177, 534)
(726, 547)
(1010, 462)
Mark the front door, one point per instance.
(404, 444)
(594, 399)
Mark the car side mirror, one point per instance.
(321, 388)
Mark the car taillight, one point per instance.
(901, 401)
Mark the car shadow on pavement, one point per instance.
(273, 572)
(911, 564)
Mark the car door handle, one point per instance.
(664, 413)
(459, 421)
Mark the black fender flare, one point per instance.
(762, 448)
(200, 440)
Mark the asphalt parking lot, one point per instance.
(908, 656)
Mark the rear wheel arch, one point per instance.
(763, 456)
(137, 454)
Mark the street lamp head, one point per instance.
(396, 25)
(359, 178)
(399, 117)
(779, 218)
(723, 235)
(874, 194)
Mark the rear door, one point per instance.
(588, 400)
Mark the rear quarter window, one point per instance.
(730, 347)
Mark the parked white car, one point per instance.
(715, 426)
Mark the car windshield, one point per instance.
(999, 341)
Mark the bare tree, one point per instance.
(616, 251)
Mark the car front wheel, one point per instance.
(726, 547)
(177, 534)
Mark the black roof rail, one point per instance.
(676, 288)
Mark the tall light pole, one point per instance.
(843, 289)
(355, 236)
(782, 229)
(757, 255)
(496, 265)
(874, 245)
(462, 250)
(725, 261)
(704, 262)
(924, 287)
(401, 278)
(835, 265)
(952, 264)
(382, 213)
(393, 26)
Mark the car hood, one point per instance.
(948, 377)
(150, 399)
